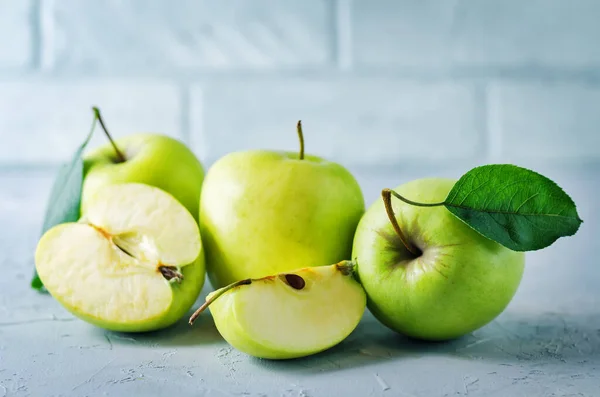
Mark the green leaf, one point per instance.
(65, 196)
(517, 207)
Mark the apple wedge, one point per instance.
(288, 315)
(133, 262)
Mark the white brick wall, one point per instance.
(436, 34)
(375, 83)
(361, 121)
(46, 122)
(16, 34)
(546, 121)
(187, 35)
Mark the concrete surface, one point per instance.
(547, 343)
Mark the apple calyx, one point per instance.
(346, 267)
(120, 157)
(386, 195)
(301, 138)
(171, 273)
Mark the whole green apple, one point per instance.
(265, 212)
(456, 282)
(153, 159)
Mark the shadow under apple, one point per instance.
(511, 339)
(203, 332)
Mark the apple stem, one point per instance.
(386, 194)
(301, 137)
(120, 156)
(215, 296)
(407, 201)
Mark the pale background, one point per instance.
(375, 82)
(394, 90)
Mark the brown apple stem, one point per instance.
(170, 273)
(120, 156)
(407, 201)
(386, 194)
(215, 296)
(301, 137)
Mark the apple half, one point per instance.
(289, 315)
(133, 262)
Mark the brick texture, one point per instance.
(380, 82)
(363, 122)
(157, 36)
(546, 121)
(465, 33)
(16, 30)
(45, 123)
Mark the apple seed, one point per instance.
(295, 281)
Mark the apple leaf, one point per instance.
(65, 196)
(517, 207)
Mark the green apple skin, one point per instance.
(461, 282)
(269, 319)
(153, 159)
(265, 212)
(117, 291)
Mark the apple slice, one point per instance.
(133, 262)
(289, 315)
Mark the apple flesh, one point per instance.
(265, 212)
(132, 263)
(289, 315)
(153, 159)
(458, 281)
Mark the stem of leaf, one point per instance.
(386, 195)
(407, 201)
(301, 137)
(120, 156)
(215, 296)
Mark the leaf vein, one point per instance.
(525, 202)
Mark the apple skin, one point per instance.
(461, 282)
(153, 159)
(82, 267)
(265, 212)
(269, 319)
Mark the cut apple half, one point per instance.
(288, 315)
(133, 262)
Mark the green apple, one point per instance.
(457, 281)
(289, 315)
(264, 212)
(150, 158)
(132, 263)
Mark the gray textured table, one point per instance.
(547, 343)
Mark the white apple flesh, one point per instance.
(133, 262)
(289, 315)
(458, 281)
